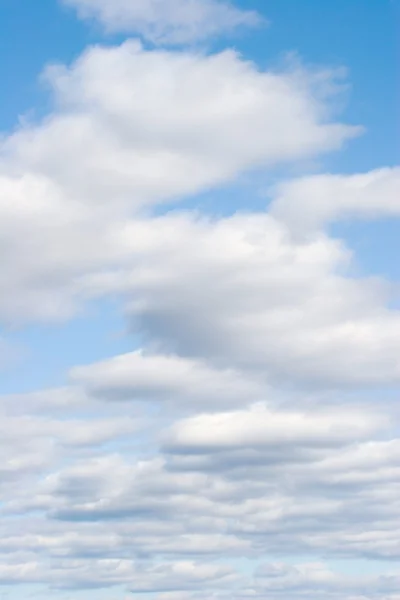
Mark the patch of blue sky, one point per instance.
(48, 351)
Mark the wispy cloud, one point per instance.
(172, 22)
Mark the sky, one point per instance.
(199, 300)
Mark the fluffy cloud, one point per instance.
(30, 444)
(160, 522)
(310, 203)
(132, 129)
(302, 480)
(261, 427)
(138, 376)
(166, 21)
(240, 291)
(243, 427)
(236, 291)
(141, 126)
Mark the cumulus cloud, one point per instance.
(147, 126)
(133, 129)
(220, 481)
(253, 421)
(167, 22)
(310, 203)
(139, 376)
(31, 444)
(159, 522)
(240, 291)
(262, 427)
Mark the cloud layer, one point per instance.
(250, 446)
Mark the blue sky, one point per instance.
(193, 275)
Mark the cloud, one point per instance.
(241, 292)
(147, 126)
(310, 203)
(255, 422)
(133, 129)
(183, 382)
(265, 481)
(167, 22)
(31, 444)
(261, 427)
(318, 579)
(302, 479)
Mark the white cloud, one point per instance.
(261, 427)
(235, 313)
(133, 129)
(146, 377)
(30, 444)
(322, 582)
(155, 524)
(166, 22)
(144, 126)
(308, 204)
(240, 291)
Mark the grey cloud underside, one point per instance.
(256, 423)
